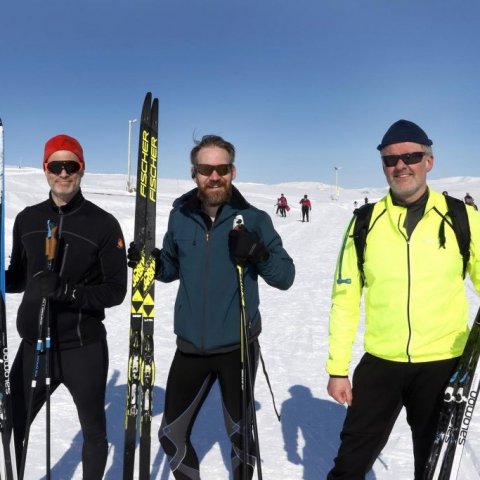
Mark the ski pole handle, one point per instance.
(238, 222)
(51, 241)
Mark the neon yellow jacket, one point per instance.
(416, 308)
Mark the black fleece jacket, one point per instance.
(91, 259)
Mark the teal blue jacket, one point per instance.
(207, 307)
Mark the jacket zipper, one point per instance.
(409, 280)
(205, 283)
(408, 301)
(62, 267)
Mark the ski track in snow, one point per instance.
(293, 342)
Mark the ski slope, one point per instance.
(294, 342)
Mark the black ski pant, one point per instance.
(305, 213)
(189, 381)
(380, 389)
(83, 371)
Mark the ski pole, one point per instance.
(51, 246)
(246, 374)
(50, 249)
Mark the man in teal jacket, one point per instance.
(416, 310)
(201, 250)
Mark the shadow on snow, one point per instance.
(310, 428)
(209, 430)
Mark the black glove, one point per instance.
(245, 246)
(133, 255)
(48, 284)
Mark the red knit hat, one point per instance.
(63, 142)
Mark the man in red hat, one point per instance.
(89, 274)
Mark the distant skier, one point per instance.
(201, 250)
(282, 205)
(469, 201)
(306, 207)
(416, 310)
(365, 200)
(89, 276)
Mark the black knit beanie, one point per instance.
(404, 131)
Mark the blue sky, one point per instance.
(298, 86)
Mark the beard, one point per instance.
(214, 197)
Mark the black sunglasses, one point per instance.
(207, 170)
(70, 166)
(407, 158)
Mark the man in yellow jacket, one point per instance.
(416, 310)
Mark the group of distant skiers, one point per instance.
(283, 207)
(468, 199)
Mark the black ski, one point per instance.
(456, 413)
(141, 366)
(147, 366)
(8, 469)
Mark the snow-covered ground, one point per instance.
(294, 343)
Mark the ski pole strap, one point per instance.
(269, 385)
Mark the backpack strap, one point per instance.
(363, 215)
(457, 211)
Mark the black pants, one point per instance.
(305, 213)
(380, 389)
(83, 371)
(189, 381)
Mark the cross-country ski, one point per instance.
(141, 362)
(7, 456)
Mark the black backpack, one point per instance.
(458, 220)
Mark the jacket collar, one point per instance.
(72, 205)
(422, 201)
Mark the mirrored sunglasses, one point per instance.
(70, 166)
(207, 170)
(407, 158)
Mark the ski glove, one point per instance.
(245, 246)
(134, 256)
(50, 285)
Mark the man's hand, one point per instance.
(245, 246)
(133, 255)
(340, 389)
(48, 284)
